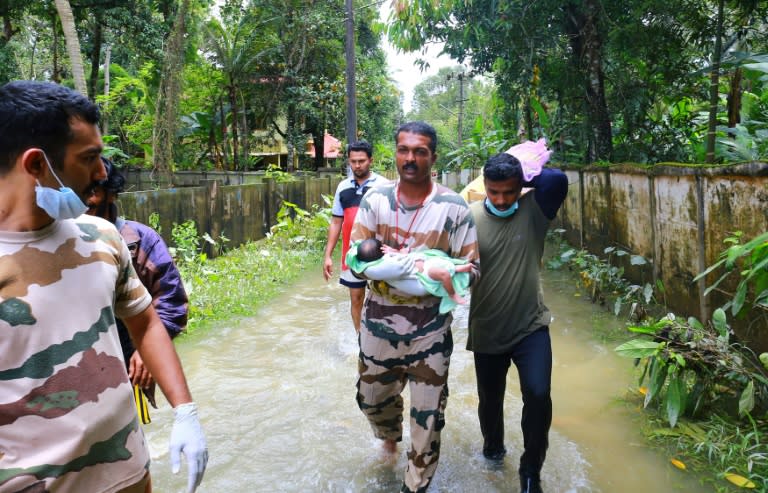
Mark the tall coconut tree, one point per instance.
(73, 44)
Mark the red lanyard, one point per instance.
(413, 219)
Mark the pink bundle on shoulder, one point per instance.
(532, 156)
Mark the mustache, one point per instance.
(410, 167)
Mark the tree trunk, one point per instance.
(714, 83)
(8, 30)
(528, 117)
(246, 131)
(32, 53)
(734, 99)
(73, 44)
(290, 141)
(586, 42)
(164, 134)
(224, 137)
(213, 148)
(104, 118)
(56, 76)
(232, 91)
(319, 139)
(349, 54)
(98, 36)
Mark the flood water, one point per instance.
(276, 394)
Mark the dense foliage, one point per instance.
(452, 100)
(197, 84)
(618, 81)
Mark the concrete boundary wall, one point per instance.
(143, 179)
(241, 213)
(240, 205)
(677, 217)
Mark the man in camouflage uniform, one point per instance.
(405, 338)
(67, 421)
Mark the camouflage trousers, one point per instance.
(384, 367)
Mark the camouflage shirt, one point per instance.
(442, 222)
(67, 419)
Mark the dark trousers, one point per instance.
(533, 358)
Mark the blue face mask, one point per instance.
(512, 209)
(59, 204)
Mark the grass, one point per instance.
(244, 279)
(717, 448)
(240, 282)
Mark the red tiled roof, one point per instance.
(331, 147)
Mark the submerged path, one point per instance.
(277, 401)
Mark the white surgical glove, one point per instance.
(187, 438)
(389, 268)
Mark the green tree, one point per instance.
(201, 136)
(166, 124)
(12, 13)
(512, 39)
(743, 13)
(234, 52)
(281, 68)
(378, 100)
(445, 98)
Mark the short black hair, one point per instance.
(369, 250)
(419, 128)
(38, 114)
(115, 181)
(502, 167)
(360, 145)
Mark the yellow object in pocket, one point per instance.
(141, 405)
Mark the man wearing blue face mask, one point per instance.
(508, 321)
(63, 203)
(67, 421)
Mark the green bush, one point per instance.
(259, 269)
(691, 369)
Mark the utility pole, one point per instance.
(460, 134)
(350, 74)
(461, 107)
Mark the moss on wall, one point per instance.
(675, 215)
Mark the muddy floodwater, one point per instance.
(277, 401)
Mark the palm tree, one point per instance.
(233, 51)
(73, 44)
